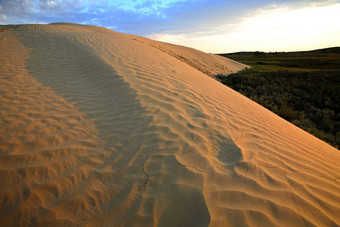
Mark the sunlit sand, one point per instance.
(99, 128)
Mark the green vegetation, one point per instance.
(301, 87)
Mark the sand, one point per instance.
(99, 128)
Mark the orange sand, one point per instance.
(99, 128)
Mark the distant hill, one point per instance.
(314, 60)
(330, 50)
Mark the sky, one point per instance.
(213, 26)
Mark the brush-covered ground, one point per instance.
(302, 87)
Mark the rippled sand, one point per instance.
(99, 128)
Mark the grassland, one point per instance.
(302, 87)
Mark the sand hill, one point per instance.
(99, 128)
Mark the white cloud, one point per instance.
(274, 28)
(146, 7)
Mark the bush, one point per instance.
(310, 100)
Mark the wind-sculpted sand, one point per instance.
(99, 128)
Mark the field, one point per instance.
(302, 87)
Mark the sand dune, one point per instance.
(99, 128)
(209, 64)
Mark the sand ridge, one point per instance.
(98, 128)
(209, 64)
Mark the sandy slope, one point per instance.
(209, 64)
(99, 128)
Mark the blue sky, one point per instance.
(214, 26)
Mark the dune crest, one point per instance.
(209, 64)
(100, 128)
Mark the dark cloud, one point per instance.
(43, 11)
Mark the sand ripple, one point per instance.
(99, 128)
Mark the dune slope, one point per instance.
(99, 128)
(209, 64)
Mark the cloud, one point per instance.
(203, 24)
(117, 13)
(218, 17)
(43, 11)
(145, 7)
(279, 27)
